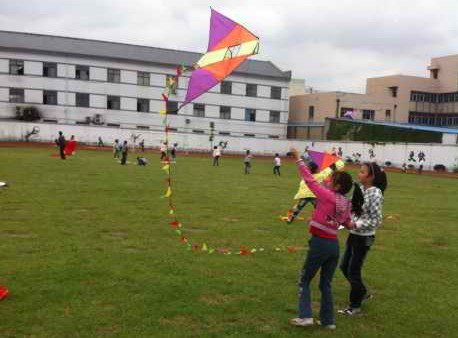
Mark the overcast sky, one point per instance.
(333, 44)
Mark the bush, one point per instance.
(348, 160)
(388, 163)
(439, 168)
(411, 166)
(28, 113)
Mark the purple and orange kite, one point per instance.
(230, 44)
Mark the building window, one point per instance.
(113, 102)
(225, 133)
(435, 73)
(50, 97)
(172, 107)
(224, 112)
(368, 114)
(274, 136)
(226, 87)
(251, 90)
(17, 95)
(199, 110)
(249, 135)
(82, 100)
(198, 131)
(388, 114)
(250, 115)
(49, 69)
(394, 91)
(113, 75)
(274, 117)
(82, 72)
(344, 110)
(171, 83)
(16, 67)
(143, 105)
(311, 113)
(275, 93)
(143, 79)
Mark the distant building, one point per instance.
(106, 84)
(429, 101)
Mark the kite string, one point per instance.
(167, 167)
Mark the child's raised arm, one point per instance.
(319, 191)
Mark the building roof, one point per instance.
(60, 45)
(405, 126)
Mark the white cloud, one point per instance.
(332, 44)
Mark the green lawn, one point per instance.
(86, 251)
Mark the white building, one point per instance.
(105, 84)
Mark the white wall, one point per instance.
(396, 153)
(33, 96)
(33, 68)
(97, 73)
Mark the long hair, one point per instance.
(379, 180)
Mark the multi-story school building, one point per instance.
(427, 101)
(105, 84)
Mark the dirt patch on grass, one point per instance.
(18, 234)
(180, 321)
(119, 234)
(195, 229)
(216, 299)
(231, 219)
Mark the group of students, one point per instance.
(216, 155)
(361, 215)
(120, 151)
(247, 163)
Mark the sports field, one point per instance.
(86, 251)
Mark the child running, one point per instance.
(332, 210)
(277, 165)
(304, 195)
(247, 162)
(367, 206)
(216, 156)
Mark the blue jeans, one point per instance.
(323, 253)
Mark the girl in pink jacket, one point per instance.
(333, 209)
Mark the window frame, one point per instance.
(252, 92)
(275, 96)
(272, 113)
(113, 99)
(113, 75)
(46, 66)
(80, 95)
(19, 71)
(78, 71)
(201, 112)
(46, 95)
(140, 102)
(222, 114)
(20, 94)
(143, 76)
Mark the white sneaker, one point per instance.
(301, 321)
(327, 327)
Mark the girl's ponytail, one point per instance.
(357, 200)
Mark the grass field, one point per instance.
(86, 251)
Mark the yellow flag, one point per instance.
(204, 247)
(162, 112)
(171, 212)
(166, 167)
(169, 192)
